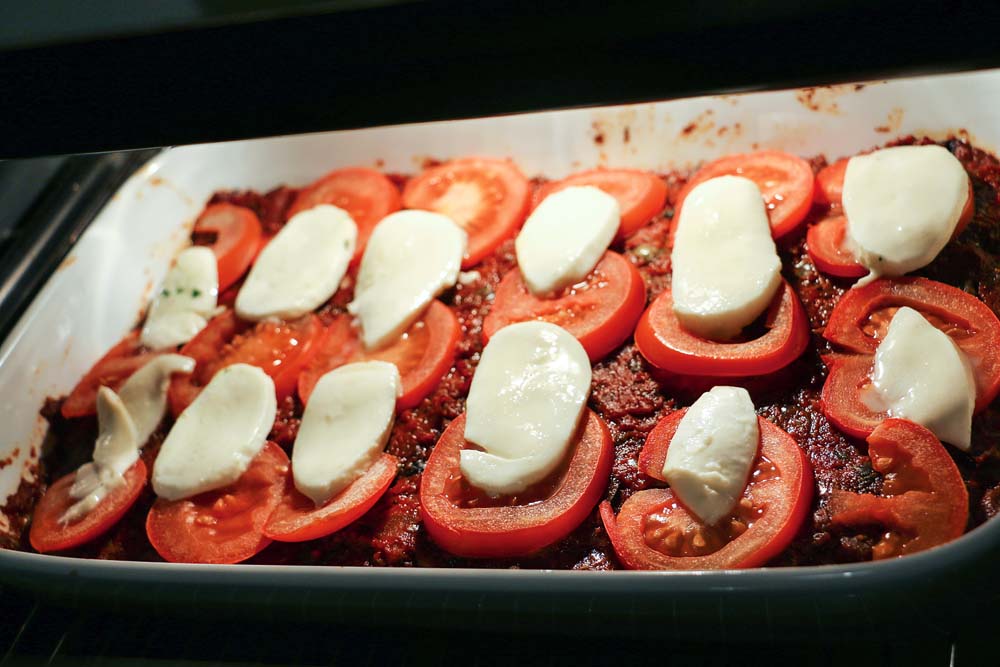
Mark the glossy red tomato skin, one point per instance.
(786, 507)
(238, 239)
(49, 534)
(111, 370)
(825, 245)
(847, 377)
(667, 345)
(226, 525)
(297, 519)
(830, 184)
(601, 312)
(517, 530)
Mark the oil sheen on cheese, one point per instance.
(920, 374)
(902, 206)
(185, 302)
(411, 257)
(525, 403)
(344, 428)
(564, 238)
(725, 266)
(215, 439)
(710, 456)
(301, 267)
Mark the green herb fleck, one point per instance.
(164, 292)
(196, 293)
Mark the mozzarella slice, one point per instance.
(564, 238)
(525, 403)
(710, 456)
(920, 374)
(214, 440)
(186, 300)
(411, 257)
(902, 205)
(725, 266)
(301, 267)
(145, 392)
(344, 428)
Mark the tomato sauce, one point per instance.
(626, 392)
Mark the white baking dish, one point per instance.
(97, 294)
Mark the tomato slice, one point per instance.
(297, 518)
(861, 318)
(366, 194)
(848, 377)
(489, 198)
(924, 501)
(467, 523)
(238, 236)
(653, 530)
(667, 345)
(600, 312)
(785, 181)
(640, 194)
(825, 244)
(111, 370)
(422, 355)
(281, 349)
(49, 533)
(225, 525)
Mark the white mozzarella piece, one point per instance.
(411, 257)
(920, 374)
(710, 456)
(215, 439)
(301, 267)
(725, 266)
(344, 428)
(525, 403)
(902, 205)
(186, 300)
(564, 238)
(145, 392)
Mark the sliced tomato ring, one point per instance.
(111, 370)
(600, 312)
(238, 236)
(848, 377)
(48, 531)
(489, 198)
(924, 501)
(861, 317)
(830, 183)
(785, 182)
(225, 525)
(518, 526)
(366, 194)
(653, 530)
(825, 245)
(281, 349)
(640, 194)
(667, 345)
(422, 355)
(297, 518)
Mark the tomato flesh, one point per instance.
(519, 526)
(225, 525)
(924, 501)
(601, 311)
(825, 244)
(238, 236)
(111, 370)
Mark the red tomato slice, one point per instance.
(49, 533)
(489, 198)
(281, 349)
(111, 370)
(422, 355)
(830, 183)
(924, 501)
(785, 181)
(364, 193)
(640, 194)
(862, 316)
(653, 530)
(469, 523)
(237, 239)
(667, 345)
(297, 518)
(825, 244)
(225, 525)
(848, 377)
(601, 311)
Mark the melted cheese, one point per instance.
(185, 302)
(145, 392)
